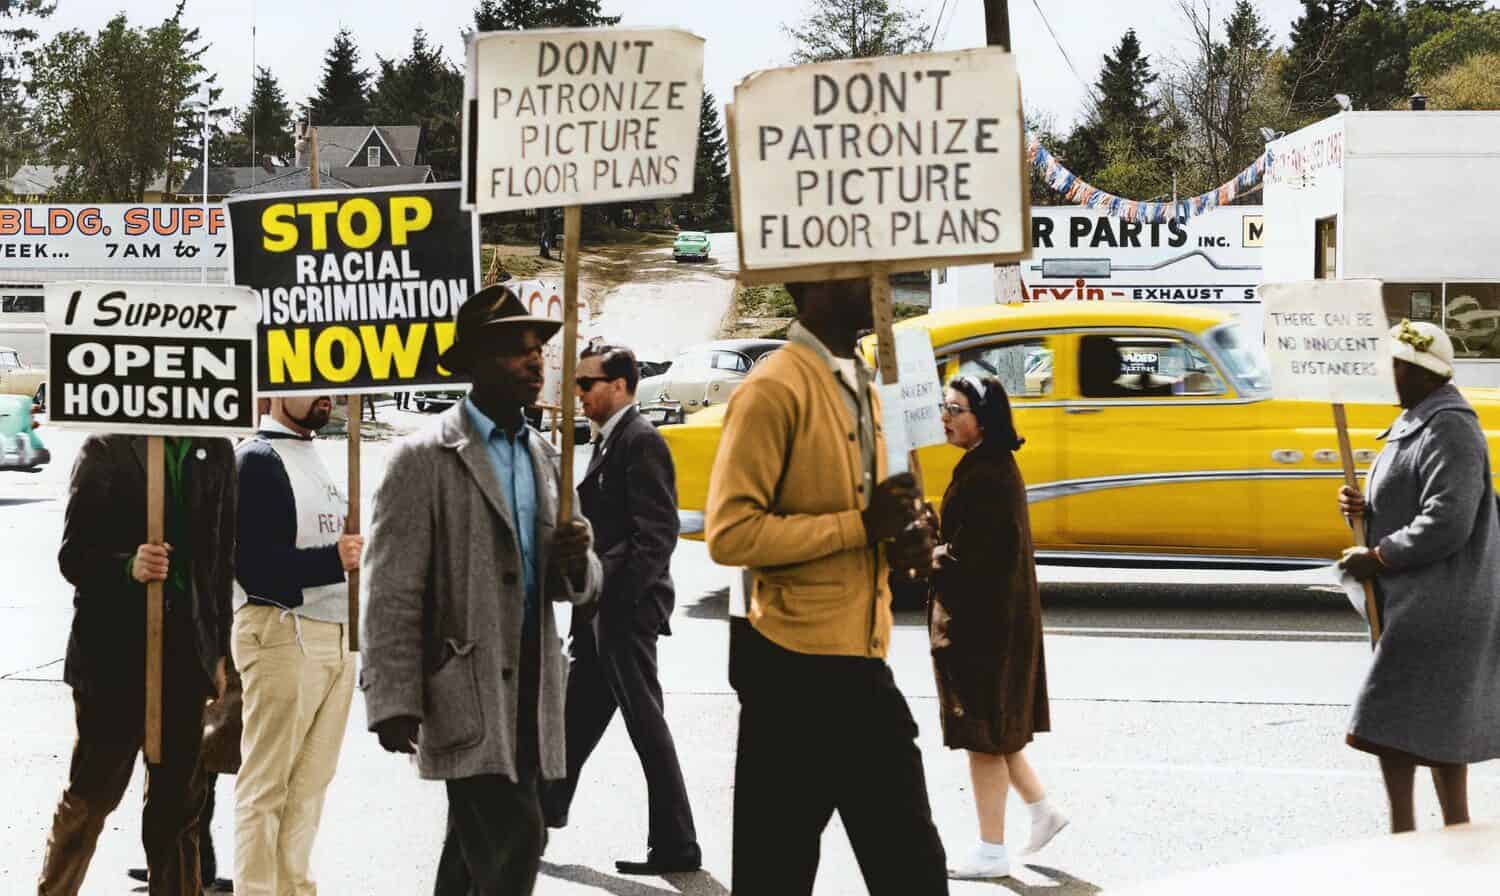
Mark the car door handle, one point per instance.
(1083, 410)
(1287, 456)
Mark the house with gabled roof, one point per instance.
(348, 158)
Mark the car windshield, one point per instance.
(1246, 361)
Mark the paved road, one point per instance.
(666, 307)
(1195, 723)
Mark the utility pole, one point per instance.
(997, 23)
(997, 34)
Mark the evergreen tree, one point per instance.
(343, 95)
(1126, 119)
(266, 125)
(855, 29)
(423, 88)
(711, 205)
(519, 15)
(1315, 70)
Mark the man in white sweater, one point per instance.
(291, 644)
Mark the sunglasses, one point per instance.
(585, 383)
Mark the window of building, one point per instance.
(1023, 366)
(1471, 316)
(9, 360)
(1145, 367)
(1326, 259)
(12, 304)
(1413, 302)
(372, 156)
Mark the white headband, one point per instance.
(979, 386)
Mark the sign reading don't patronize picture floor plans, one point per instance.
(151, 359)
(358, 289)
(580, 117)
(903, 160)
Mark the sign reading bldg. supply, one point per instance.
(574, 117)
(907, 160)
(151, 359)
(120, 237)
(358, 289)
(1329, 341)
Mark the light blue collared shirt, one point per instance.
(510, 458)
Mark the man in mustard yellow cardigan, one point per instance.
(799, 496)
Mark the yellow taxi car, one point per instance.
(1153, 436)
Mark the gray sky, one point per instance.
(742, 35)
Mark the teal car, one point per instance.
(691, 246)
(20, 449)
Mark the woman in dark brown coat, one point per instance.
(985, 618)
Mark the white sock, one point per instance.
(994, 852)
(1040, 809)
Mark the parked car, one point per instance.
(700, 377)
(20, 448)
(18, 378)
(1154, 437)
(691, 246)
(437, 399)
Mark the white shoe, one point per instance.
(980, 867)
(1043, 830)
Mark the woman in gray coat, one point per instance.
(1432, 695)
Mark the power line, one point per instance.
(937, 24)
(1064, 50)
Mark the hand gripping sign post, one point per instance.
(1328, 341)
(358, 294)
(154, 360)
(867, 167)
(575, 116)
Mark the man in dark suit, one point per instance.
(106, 556)
(629, 495)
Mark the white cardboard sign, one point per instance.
(583, 116)
(151, 358)
(910, 405)
(887, 159)
(1328, 341)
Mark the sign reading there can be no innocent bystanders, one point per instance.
(905, 160)
(1328, 341)
(151, 358)
(910, 405)
(575, 117)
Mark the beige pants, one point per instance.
(297, 695)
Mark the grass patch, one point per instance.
(517, 262)
(902, 311)
(764, 301)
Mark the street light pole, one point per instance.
(997, 23)
(205, 100)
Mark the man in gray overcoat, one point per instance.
(462, 661)
(1432, 695)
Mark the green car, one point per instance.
(691, 246)
(20, 449)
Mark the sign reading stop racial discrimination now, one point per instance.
(151, 359)
(574, 117)
(1329, 341)
(358, 289)
(907, 160)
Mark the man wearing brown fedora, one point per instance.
(462, 664)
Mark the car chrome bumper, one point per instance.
(16, 453)
(690, 522)
(664, 413)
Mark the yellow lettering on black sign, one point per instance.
(381, 353)
(359, 222)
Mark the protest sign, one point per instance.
(155, 360)
(544, 298)
(909, 406)
(907, 160)
(358, 289)
(571, 117)
(118, 236)
(1328, 340)
(151, 358)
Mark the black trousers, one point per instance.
(496, 832)
(615, 668)
(820, 735)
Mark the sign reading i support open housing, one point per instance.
(575, 117)
(906, 160)
(152, 359)
(358, 289)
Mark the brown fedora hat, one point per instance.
(492, 310)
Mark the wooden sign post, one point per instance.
(1328, 341)
(155, 525)
(630, 132)
(110, 376)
